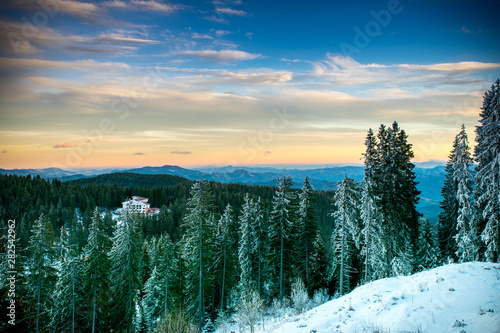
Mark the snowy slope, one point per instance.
(438, 300)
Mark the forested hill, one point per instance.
(129, 179)
(25, 198)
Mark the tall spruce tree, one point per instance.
(125, 255)
(197, 249)
(372, 248)
(66, 311)
(447, 223)
(246, 246)
(347, 229)
(96, 273)
(466, 236)
(428, 253)
(225, 262)
(41, 273)
(307, 232)
(487, 190)
(393, 187)
(283, 218)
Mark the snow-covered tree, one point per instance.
(225, 259)
(67, 299)
(391, 181)
(197, 249)
(246, 246)
(125, 255)
(487, 190)
(427, 246)
(447, 223)
(299, 295)
(96, 272)
(372, 248)
(153, 292)
(283, 217)
(41, 273)
(347, 228)
(466, 237)
(307, 231)
(249, 308)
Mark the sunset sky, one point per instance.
(139, 82)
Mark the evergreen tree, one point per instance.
(466, 237)
(447, 224)
(391, 180)
(308, 230)
(125, 256)
(96, 273)
(153, 292)
(487, 190)
(41, 273)
(428, 246)
(197, 250)
(372, 249)
(347, 225)
(225, 259)
(283, 216)
(245, 245)
(66, 314)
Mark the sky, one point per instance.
(122, 83)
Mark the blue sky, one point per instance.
(142, 82)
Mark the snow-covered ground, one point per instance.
(451, 298)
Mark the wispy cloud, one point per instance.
(196, 35)
(154, 5)
(142, 5)
(231, 11)
(139, 154)
(64, 145)
(465, 30)
(5, 151)
(220, 33)
(342, 70)
(177, 152)
(220, 56)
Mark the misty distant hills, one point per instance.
(430, 177)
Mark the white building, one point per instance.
(139, 205)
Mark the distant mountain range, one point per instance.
(430, 176)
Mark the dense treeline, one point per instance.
(221, 251)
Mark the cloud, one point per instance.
(341, 70)
(79, 65)
(217, 19)
(268, 152)
(196, 35)
(138, 154)
(153, 6)
(220, 33)
(180, 152)
(465, 30)
(118, 38)
(249, 35)
(65, 145)
(5, 151)
(220, 56)
(231, 12)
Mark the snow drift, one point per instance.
(452, 298)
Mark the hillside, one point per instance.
(451, 298)
(128, 179)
